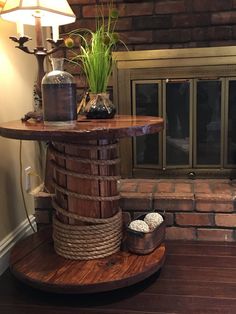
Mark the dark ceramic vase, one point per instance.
(99, 106)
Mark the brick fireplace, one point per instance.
(198, 209)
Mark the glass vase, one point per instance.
(99, 106)
(59, 95)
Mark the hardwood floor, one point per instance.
(198, 277)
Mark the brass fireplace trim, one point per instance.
(185, 63)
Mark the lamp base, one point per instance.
(36, 115)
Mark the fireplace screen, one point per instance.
(195, 124)
(199, 110)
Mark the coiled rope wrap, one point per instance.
(87, 238)
(98, 238)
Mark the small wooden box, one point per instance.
(145, 242)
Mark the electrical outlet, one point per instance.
(28, 171)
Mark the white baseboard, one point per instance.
(10, 240)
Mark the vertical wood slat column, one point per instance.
(108, 188)
(61, 179)
(94, 151)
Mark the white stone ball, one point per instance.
(139, 225)
(153, 220)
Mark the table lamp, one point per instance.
(38, 13)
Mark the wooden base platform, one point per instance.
(34, 261)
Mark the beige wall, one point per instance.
(17, 75)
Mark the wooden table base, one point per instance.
(34, 261)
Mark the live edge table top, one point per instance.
(37, 252)
(83, 129)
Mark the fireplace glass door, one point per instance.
(200, 126)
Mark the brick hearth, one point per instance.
(194, 210)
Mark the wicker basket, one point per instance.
(144, 243)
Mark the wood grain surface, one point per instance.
(182, 287)
(34, 261)
(119, 127)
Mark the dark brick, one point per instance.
(215, 234)
(172, 35)
(181, 187)
(136, 215)
(124, 24)
(194, 219)
(234, 33)
(147, 187)
(169, 218)
(218, 43)
(167, 7)
(165, 187)
(125, 9)
(43, 216)
(136, 201)
(176, 233)
(43, 200)
(134, 9)
(190, 20)
(214, 202)
(174, 201)
(151, 46)
(77, 10)
(210, 5)
(225, 220)
(223, 18)
(136, 37)
(221, 187)
(84, 23)
(152, 22)
(128, 186)
(201, 186)
(220, 32)
(212, 33)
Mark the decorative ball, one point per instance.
(139, 225)
(69, 42)
(153, 220)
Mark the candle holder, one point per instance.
(40, 53)
(38, 13)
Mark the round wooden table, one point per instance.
(86, 169)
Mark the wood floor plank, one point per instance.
(180, 243)
(35, 242)
(191, 282)
(192, 288)
(201, 249)
(6, 309)
(201, 261)
(214, 274)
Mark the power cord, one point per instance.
(21, 187)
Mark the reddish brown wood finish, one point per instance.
(119, 127)
(40, 266)
(34, 261)
(87, 186)
(181, 287)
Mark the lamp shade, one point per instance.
(51, 12)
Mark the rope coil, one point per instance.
(85, 196)
(84, 160)
(83, 176)
(88, 237)
(92, 147)
(102, 237)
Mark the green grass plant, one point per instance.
(95, 51)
